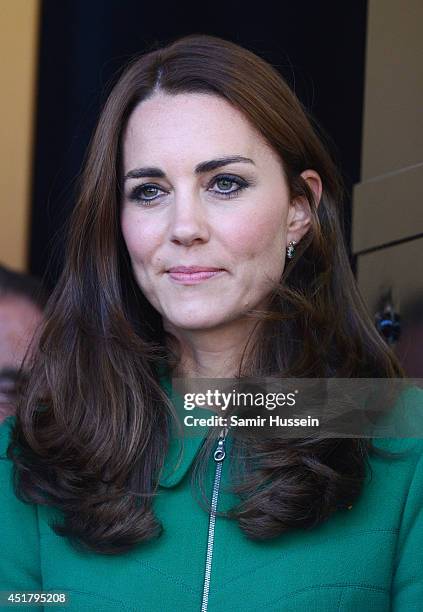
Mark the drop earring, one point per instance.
(290, 250)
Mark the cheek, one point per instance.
(257, 235)
(141, 239)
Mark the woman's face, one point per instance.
(202, 189)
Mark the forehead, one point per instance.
(200, 125)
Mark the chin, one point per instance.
(196, 321)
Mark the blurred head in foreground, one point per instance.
(22, 300)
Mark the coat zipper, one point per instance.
(218, 455)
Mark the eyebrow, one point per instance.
(200, 168)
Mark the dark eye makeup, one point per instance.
(150, 192)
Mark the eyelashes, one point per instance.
(150, 192)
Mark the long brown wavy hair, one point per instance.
(93, 422)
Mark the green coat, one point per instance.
(367, 558)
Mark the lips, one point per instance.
(191, 275)
(193, 269)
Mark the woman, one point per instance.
(206, 242)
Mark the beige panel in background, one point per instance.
(388, 209)
(18, 60)
(393, 103)
(399, 267)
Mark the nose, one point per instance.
(188, 220)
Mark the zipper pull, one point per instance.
(220, 453)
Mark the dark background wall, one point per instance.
(318, 46)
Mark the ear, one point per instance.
(299, 215)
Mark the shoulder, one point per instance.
(9, 500)
(394, 488)
(19, 536)
(15, 512)
(6, 465)
(404, 423)
(404, 471)
(5, 431)
(404, 476)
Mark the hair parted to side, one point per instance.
(93, 422)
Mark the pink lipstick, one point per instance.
(190, 275)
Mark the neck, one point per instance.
(212, 353)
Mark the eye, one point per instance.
(226, 183)
(145, 193)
